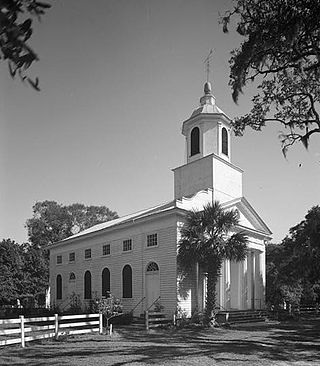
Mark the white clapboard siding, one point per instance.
(164, 254)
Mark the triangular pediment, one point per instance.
(248, 217)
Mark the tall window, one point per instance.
(59, 287)
(105, 281)
(87, 285)
(59, 259)
(72, 257)
(195, 141)
(127, 281)
(225, 141)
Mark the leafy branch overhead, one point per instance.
(15, 31)
(280, 51)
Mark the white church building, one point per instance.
(135, 257)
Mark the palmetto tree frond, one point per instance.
(206, 240)
(236, 247)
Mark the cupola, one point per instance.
(207, 130)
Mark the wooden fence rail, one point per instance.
(47, 327)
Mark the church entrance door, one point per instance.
(152, 284)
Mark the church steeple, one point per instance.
(207, 163)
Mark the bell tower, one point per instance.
(207, 130)
(208, 153)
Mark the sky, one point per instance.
(118, 78)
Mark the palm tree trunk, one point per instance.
(210, 312)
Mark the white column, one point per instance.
(235, 285)
(227, 284)
(240, 284)
(244, 287)
(263, 276)
(222, 286)
(251, 279)
(260, 281)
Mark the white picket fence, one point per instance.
(51, 326)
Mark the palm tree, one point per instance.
(206, 241)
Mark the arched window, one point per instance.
(59, 287)
(105, 281)
(152, 267)
(195, 141)
(72, 277)
(87, 285)
(224, 141)
(127, 282)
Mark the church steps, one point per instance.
(241, 316)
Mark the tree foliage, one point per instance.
(16, 18)
(293, 272)
(52, 222)
(24, 269)
(206, 240)
(11, 271)
(281, 50)
(23, 272)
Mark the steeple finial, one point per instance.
(207, 64)
(207, 98)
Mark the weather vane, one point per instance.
(206, 62)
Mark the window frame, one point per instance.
(58, 287)
(87, 285)
(74, 257)
(195, 141)
(59, 259)
(108, 252)
(87, 257)
(157, 240)
(127, 288)
(124, 242)
(104, 277)
(224, 141)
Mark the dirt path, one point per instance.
(260, 344)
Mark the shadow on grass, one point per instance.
(291, 342)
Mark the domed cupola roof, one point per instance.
(207, 103)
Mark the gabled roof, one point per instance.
(122, 220)
(249, 219)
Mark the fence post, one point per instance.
(174, 319)
(147, 320)
(110, 329)
(56, 325)
(100, 323)
(22, 331)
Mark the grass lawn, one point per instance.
(292, 343)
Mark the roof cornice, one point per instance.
(119, 226)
